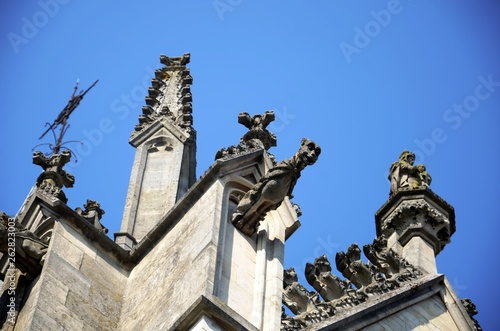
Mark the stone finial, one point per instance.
(176, 60)
(295, 296)
(169, 96)
(257, 137)
(29, 248)
(257, 128)
(53, 177)
(405, 176)
(351, 267)
(93, 214)
(272, 188)
(388, 261)
(320, 277)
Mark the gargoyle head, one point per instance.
(308, 153)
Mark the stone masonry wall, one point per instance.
(430, 314)
(80, 288)
(173, 276)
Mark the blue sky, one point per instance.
(365, 80)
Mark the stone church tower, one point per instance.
(208, 254)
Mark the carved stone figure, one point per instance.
(257, 128)
(329, 286)
(470, 307)
(273, 187)
(295, 296)
(29, 249)
(351, 267)
(93, 214)
(256, 138)
(385, 259)
(53, 177)
(404, 175)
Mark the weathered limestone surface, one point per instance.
(165, 161)
(205, 324)
(80, 288)
(176, 271)
(430, 314)
(202, 254)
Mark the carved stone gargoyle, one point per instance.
(53, 177)
(404, 175)
(295, 296)
(29, 249)
(351, 267)
(272, 188)
(93, 214)
(329, 286)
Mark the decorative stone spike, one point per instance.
(147, 110)
(93, 214)
(329, 286)
(295, 296)
(351, 267)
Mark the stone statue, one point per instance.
(404, 175)
(93, 214)
(272, 188)
(257, 128)
(53, 177)
(329, 286)
(29, 249)
(351, 267)
(295, 296)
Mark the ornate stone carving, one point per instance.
(295, 296)
(257, 128)
(329, 286)
(29, 249)
(53, 177)
(405, 176)
(169, 97)
(470, 307)
(242, 148)
(257, 137)
(351, 267)
(272, 188)
(395, 268)
(338, 294)
(419, 215)
(93, 214)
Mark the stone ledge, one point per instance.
(378, 308)
(217, 311)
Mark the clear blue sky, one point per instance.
(365, 80)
